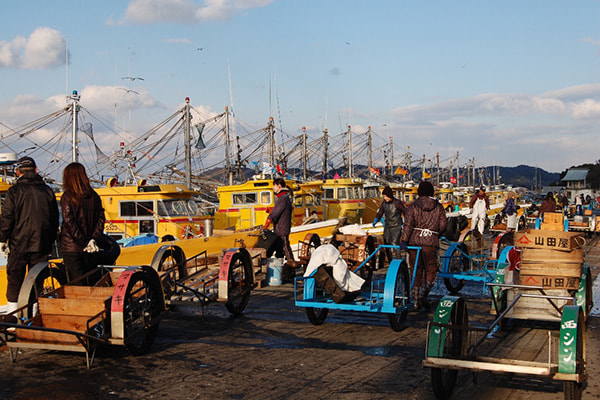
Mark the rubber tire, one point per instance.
(153, 309)
(181, 272)
(402, 288)
(316, 316)
(237, 303)
(444, 380)
(455, 285)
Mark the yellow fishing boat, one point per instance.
(162, 210)
(342, 198)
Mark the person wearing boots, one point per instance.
(479, 205)
(28, 226)
(425, 219)
(281, 217)
(392, 209)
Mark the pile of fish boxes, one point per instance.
(551, 259)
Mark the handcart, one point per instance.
(458, 265)
(551, 345)
(389, 295)
(125, 305)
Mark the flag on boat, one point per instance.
(267, 169)
(280, 170)
(401, 171)
(336, 176)
(426, 175)
(453, 180)
(374, 171)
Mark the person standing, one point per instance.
(479, 206)
(425, 221)
(548, 204)
(83, 221)
(510, 210)
(28, 226)
(564, 203)
(281, 218)
(392, 209)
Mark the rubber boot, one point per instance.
(415, 297)
(424, 292)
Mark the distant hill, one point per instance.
(521, 175)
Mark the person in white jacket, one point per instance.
(479, 206)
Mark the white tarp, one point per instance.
(327, 254)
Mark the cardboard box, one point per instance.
(550, 282)
(573, 270)
(551, 256)
(555, 240)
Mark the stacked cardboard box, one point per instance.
(552, 259)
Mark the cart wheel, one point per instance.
(572, 327)
(584, 295)
(239, 284)
(366, 272)
(401, 296)
(454, 341)
(309, 244)
(457, 263)
(316, 316)
(41, 279)
(171, 260)
(502, 241)
(141, 307)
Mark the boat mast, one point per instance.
(75, 110)
(457, 169)
(271, 141)
(304, 155)
(227, 148)
(370, 148)
(391, 141)
(350, 172)
(437, 166)
(325, 144)
(188, 147)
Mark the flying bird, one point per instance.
(199, 49)
(348, 43)
(133, 78)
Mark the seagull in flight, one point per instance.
(128, 90)
(133, 78)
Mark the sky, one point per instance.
(504, 82)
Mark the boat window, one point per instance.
(136, 208)
(245, 198)
(329, 193)
(192, 207)
(173, 208)
(357, 194)
(317, 198)
(298, 201)
(147, 226)
(309, 200)
(350, 193)
(372, 192)
(265, 197)
(341, 193)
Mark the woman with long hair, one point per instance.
(83, 221)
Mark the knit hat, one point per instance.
(25, 162)
(387, 191)
(425, 189)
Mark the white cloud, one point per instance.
(186, 11)
(45, 48)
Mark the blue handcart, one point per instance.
(458, 266)
(389, 295)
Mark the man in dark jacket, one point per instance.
(281, 217)
(29, 223)
(425, 221)
(392, 209)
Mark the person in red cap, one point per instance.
(425, 221)
(392, 209)
(29, 223)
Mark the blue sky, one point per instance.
(505, 82)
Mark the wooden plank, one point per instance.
(551, 269)
(81, 292)
(539, 370)
(535, 308)
(550, 282)
(89, 307)
(25, 335)
(67, 322)
(551, 256)
(556, 240)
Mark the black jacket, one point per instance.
(281, 215)
(81, 222)
(29, 219)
